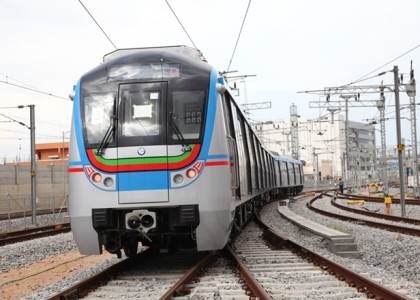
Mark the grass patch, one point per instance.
(339, 227)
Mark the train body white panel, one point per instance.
(86, 237)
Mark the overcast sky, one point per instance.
(291, 46)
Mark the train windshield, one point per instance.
(98, 111)
(149, 114)
(142, 116)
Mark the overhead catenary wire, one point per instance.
(103, 31)
(180, 23)
(33, 89)
(384, 65)
(239, 35)
(14, 79)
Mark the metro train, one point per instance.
(162, 155)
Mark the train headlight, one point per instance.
(147, 221)
(108, 182)
(96, 177)
(191, 173)
(178, 178)
(134, 222)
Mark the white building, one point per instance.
(322, 145)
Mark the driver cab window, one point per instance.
(188, 113)
(140, 109)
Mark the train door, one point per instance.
(248, 157)
(141, 143)
(260, 167)
(253, 161)
(242, 155)
(284, 174)
(233, 153)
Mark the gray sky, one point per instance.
(291, 46)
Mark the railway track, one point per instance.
(261, 264)
(406, 220)
(33, 233)
(377, 199)
(22, 214)
(363, 221)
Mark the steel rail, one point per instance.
(39, 212)
(33, 233)
(82, 288)
(254, 286)
(383, 226)
(363, 284)
(377, 199)
(373, 214)
(192, 273)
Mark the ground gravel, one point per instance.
(22, 254)
(51, 290)
(389, 258)
(22, 223)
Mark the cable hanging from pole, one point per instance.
(239, 35)
(179, 21)
(103, 31)
(391, 61)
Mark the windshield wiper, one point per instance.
(178, 133)
(107, 137)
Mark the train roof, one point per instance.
(180, 49)
(287, 159)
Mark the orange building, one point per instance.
(52, 151)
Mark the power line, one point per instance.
(179, 21)
(98, 24)
(7, 77)
(239, 35)
(13, 120)
(33, 90)
(387, 63)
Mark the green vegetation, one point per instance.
(339, 227)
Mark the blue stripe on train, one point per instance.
(135, 181)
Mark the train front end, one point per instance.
(142, 165)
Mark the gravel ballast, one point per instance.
(23, 254)
(387, 257)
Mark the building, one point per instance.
(322, 145)
(55, 152)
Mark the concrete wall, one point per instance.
(15, 187)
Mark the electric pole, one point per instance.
(33, 163)
(294, 122)
(349, 91)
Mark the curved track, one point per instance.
(362, 221)
(372, 214)
(260, 263)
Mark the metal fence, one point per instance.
(22, 204)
